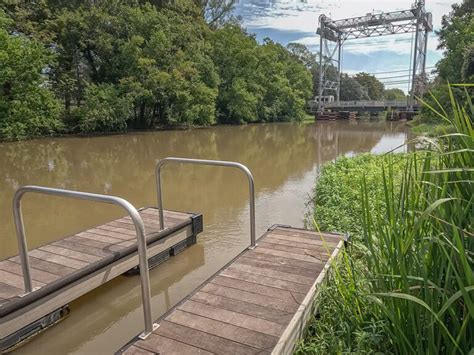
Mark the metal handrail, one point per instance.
(132, 212)
(223, 163)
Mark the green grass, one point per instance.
(405, 284)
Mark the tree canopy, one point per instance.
(456, 38)
(111, 65)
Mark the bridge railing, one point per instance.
(368, 103)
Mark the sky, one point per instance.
(286, 21)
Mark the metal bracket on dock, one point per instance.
(145, 334)
(27, 293)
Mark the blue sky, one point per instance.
(286, 21)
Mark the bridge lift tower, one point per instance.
(333, 34)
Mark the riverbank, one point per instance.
(405, 283)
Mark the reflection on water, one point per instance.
(284, 159)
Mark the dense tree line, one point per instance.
(111, 65)
(361, 86)
(456, 40)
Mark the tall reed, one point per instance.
(406, 284)
(420, 252)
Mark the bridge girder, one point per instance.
(333, 34)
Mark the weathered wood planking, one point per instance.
(107, 251)
(63, 257)
(258, 303)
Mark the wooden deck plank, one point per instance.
(243, 307)
(169, 220)
(176, 214)
(205, 341)
(250, 297)
(15, 280)
(107, 233)
(223, 330)
(253, 287)
(253, 254)
(90, 241)
(163, 345)
(102, 238)
(135, 350)
(124, 230)
(278, 266)
(235, 273)
(150, 225)
(47, 266)
(231, 317)
(58, 259)
(37, 275)
(298, 242)
(318, 254)
(288, 255)
(8, 291)
(70, 243)
(70, 254)
(307, 235)
(270, 272)
(239, 306)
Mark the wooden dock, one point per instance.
(68, 268)
(258, 303)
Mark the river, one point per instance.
(284, 158)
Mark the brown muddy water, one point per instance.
(283, 157)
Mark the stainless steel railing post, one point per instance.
(223, 163)
(132, 212)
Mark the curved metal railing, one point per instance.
(223, 163)
(132, 212)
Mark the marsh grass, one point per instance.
(406, 285)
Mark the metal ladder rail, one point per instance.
(132, 212)
(222, 163)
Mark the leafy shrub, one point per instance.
(337, 202)
(27, 106)
(105, 110)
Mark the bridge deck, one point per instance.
(258, 303)
(68, 268)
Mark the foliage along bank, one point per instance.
(102, 66)
(405, 284)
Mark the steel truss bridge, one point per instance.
(365, 105)
(334, 33)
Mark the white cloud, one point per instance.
(302, 15)
(400, 44)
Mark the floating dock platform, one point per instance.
(257, 304)
(66, 269)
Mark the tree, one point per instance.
(455, 38)
(351, 89)
(395, 94)
(216, 12)
(375, 88)
(27, 105)
(302, 54)
(116, 65)
(287, 84)
(258, 82)
(467, 73)
(158, 59)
